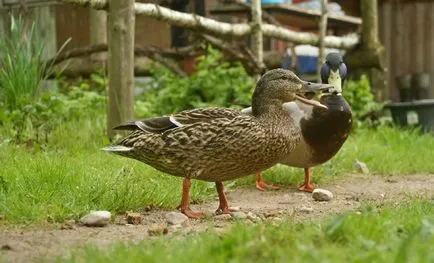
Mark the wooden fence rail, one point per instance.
(212, 26)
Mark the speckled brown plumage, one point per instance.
(219, 144)
(208, 144)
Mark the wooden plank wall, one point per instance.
(407, 32)
(73, 21)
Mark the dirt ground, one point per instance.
(24, 245)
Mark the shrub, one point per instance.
(22, 70)
(34, 121)
(214, 83)
(358, 94)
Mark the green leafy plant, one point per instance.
(22, 69)
(35, 121)
(24, 111)
(358, 94)
(214, 83)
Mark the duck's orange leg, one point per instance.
(184, 207)
(262, 186)
(306, 186)
(223, 201)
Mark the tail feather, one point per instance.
(117, 148)
(130, 126)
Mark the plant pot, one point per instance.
(404, 87)
(421, 83)
(415, 113)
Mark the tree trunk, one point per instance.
(322, 34)
(257, 40)
(370, 24)
(120, 64)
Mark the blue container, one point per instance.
(305, 64)
(270, 1)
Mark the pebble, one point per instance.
(174, 227)
(253, 217)
(271, 214)
(68, 225)
(322, 195)
(96, 218)
(176, 218)
(305, 209)
(361, 167)
(134, 218)
(239, 215)
(158, 230)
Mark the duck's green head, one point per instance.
(278, 86)
(334, 71)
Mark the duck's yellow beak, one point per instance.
(312, 87)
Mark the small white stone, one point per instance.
(239, 215)
(253, 217)
(176, 218)
(96, 218)
(174, 227)
(223, 217)
(305, 209)
(361, 167)
(322, 195)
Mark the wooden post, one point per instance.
(369, 57)
(257, 40)
(46, 29)
(369, 10)
(98, 32)
(45, 22)
(3, 15)
(322, 34)
(120, 63)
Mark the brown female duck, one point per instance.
(219, 144)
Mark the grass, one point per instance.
(393, 233)
(71, 175)
(22, 72)
(386, 151)
(74, 176)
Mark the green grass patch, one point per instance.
(71, 175)
(403, 233)
(386, 151)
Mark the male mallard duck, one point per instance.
(323, 132)
(219, 144)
